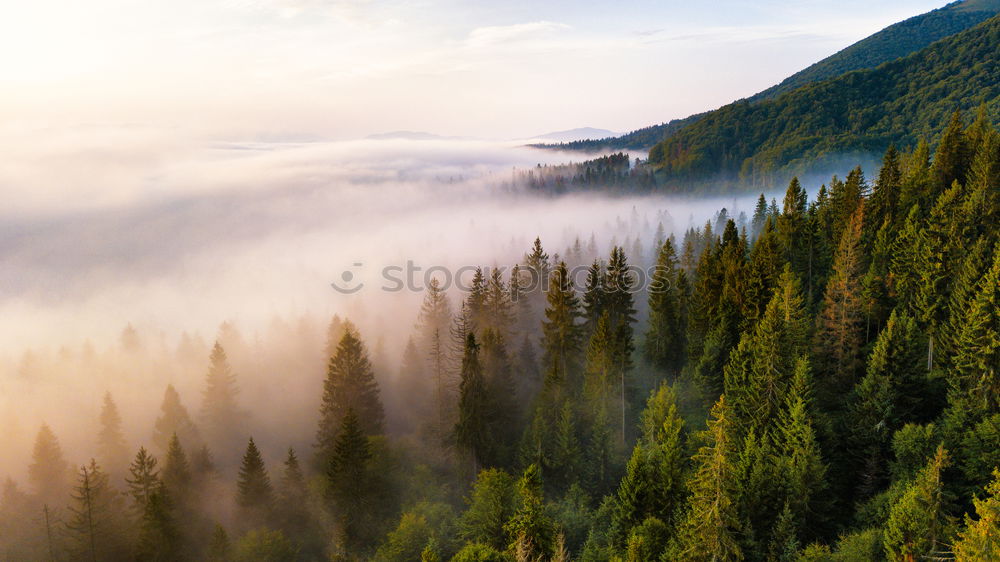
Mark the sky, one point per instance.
(343, 69)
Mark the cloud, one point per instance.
(507, 34)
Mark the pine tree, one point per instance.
(334, 333)
(565, 457)
(653, 484)
(711, 524)
(94, 528)
(143, 480)
(159, 539)
(219, 547)
(48, 473)
(977, 354)
(919, 524)
(176, 473)
(951, 160)
(594, 297)
(892, 393)
(502, 391)
(840, 324)
(350, 385)
(979, 541)
(473, 432)
(498, 313)
(111, 448)
(530, 525)
(560, 331)
(435, 315)
(791, 228)
(904, 271)
(222, 417)
(759, 217)
(883, 205)
(254, 496)
(800, 464)
(292, 507)
(348, 474)
(664, 343)
(761, 369)
(173, 419)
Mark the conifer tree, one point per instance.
(348, 474)
(951, 160)
(664, 343)
(501, 390)
(94, 527)
(892, 393)
(219, 547)
(473, 432)
(919, 524)
(711, 524)
(977, 355)
(498, 313)
(350, 385)
(491, 503)
(759, 217)
(221, 415)
(979, 541)
(173, 419)
(255, 496)
(791, 228)
(143, 480)
(840, 324)
(653, 484)
(334, 333)
(905, 272)
(176, 473)
(530, 525)
(48, 472)
(594, 297)
(761, 369)
(800, 464)
(159, 539)
(292, 507)
(883, 205)
(111, 447)
(560, 331)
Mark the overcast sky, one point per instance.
(339, 69)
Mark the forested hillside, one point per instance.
(894, 42)
(816, 382)
(861, 112)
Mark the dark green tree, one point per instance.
(350, 385)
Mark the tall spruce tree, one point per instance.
(173, 418)
(664, 342)
(48, 472)
(95, 530)
(840, 323)
(892, 393)
(222, 418)
(474, 430)
(710, 527)
(350, 385)
(254, 494)
(112, 451)
(560, 331)
(348, 472)
(143, 480)
(919, 524)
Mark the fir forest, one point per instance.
(764, 332)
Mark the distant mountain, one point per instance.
(860, 112)
(897, 40)
(408, 135)
(576, 134)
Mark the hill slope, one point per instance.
(861, 111)
(897, 40)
